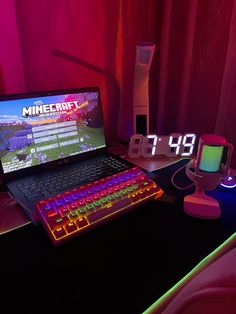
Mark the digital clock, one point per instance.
(152, 145)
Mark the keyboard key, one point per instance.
(70, 227)
(57, 220)
(81, 222)
(109, 210)
(59, 232)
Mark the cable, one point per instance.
(179, 187)
(9, 193)
(11, 202)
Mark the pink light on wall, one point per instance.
(10, 52)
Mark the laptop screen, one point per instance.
(40, 129)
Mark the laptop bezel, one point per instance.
(63, 161)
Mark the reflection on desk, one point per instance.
(11, 214)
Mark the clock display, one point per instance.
(151, 145)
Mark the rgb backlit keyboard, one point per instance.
(70, 214)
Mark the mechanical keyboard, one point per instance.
(77, 210)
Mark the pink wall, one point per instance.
(11, 67)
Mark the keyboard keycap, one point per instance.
(59, 232)
(109, 210)
(70, 227)
(81, 222)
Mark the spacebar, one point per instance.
(101, 213)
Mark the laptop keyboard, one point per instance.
(40, 187)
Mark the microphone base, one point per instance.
(201, 206)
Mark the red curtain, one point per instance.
(197, 74)
(54, 44)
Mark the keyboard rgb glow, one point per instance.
(70, 214)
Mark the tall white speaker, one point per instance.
(143, 60)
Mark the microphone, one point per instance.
(210, 167)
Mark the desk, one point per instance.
(122, 266)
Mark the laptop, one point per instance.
(51, 141)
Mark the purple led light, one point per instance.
(231, 184)
(228, 186)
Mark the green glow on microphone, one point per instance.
(211, 158)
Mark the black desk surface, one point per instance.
(120, 267)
